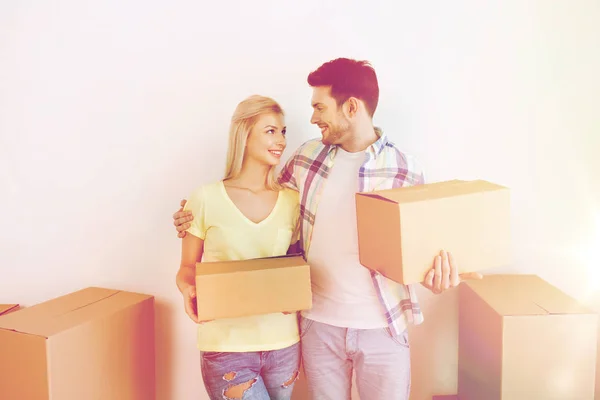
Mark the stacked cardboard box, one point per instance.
(230, 289)
(91, 344)
(522, 338)
(400, 231)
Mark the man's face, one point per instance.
(328, 116)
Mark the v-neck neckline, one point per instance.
(241, 214)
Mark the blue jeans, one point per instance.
(264, 375)
(331, 354)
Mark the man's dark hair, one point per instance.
(348, 78)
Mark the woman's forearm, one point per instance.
(185, 277)
(191, 251)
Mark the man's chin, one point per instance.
(326, 140)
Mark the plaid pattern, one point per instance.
(385, 167)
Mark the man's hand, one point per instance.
(182, 219)
(444, 274)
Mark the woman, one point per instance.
(246, 215)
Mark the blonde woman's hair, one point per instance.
(243, 120)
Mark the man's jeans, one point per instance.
(330, 354)
(265, 375)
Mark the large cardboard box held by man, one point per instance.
(230, 289)
(91, 344)
(522, 338)
(7, 308)
(400, 231)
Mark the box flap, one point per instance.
(432, 191)
(95, 311)
(39, 319)
(520, 295)
(6, 308)
(391, 194)
(255, 264)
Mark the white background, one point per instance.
(111, 112)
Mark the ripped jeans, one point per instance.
(263, 375)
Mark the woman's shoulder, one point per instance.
(290, 196)
(206, 191)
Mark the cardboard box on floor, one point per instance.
(91, 344)
(7, 308)
(400, 231)
(230, 289)
(522, 338)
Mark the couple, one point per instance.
(359, 318)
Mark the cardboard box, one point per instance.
(230, 289)
(91, 344)
(6, 308)
(522, 338)
(400, 231)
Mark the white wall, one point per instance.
(110, 112)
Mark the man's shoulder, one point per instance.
(401, 158)
(406, 165)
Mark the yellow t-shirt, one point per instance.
(229, 235)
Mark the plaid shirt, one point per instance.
(385, 167)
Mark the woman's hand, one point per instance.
(189, 302)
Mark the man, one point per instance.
(359, 318)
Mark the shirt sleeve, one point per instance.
(286, 176)
(415, 174)
(196, 203)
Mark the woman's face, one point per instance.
(266, 141)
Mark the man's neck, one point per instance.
(363, 137)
